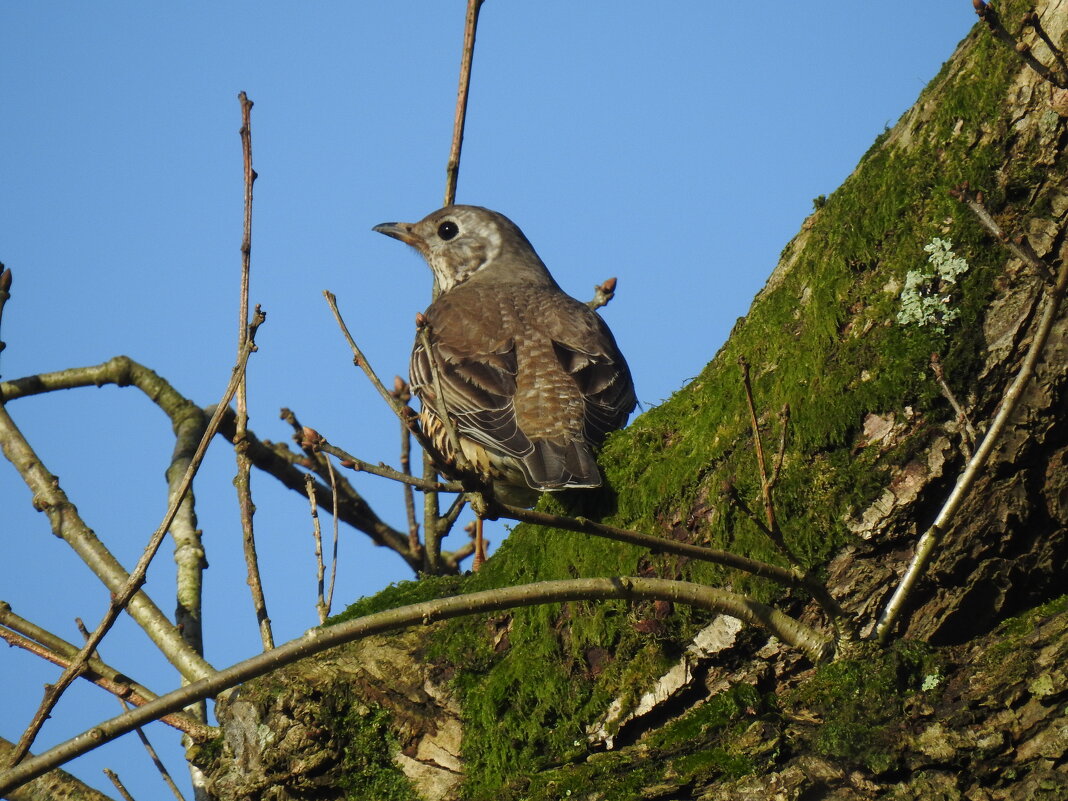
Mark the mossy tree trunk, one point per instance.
(517, 705)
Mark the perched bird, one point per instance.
(530, 378)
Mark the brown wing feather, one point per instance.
(571, 366)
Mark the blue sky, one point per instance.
(675, 146)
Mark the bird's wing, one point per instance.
(587, 351)
(477, 367)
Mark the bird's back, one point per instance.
(528, 373)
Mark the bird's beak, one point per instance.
(401, 231)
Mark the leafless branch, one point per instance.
(136, 579)
(114, 777)
(817, 647)
(156, 761)
(242, 481)
(967, 432)
(452, 170)
(771, 529)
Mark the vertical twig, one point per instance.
(5, 293)
(771, 527)
(244, 464)
(452, 170)
(403, 394)
(160, 767)
(333, 553)
(320, 571)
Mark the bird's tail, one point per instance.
(554, 465)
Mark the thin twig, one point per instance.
(817, 647)
(113, 684)
(402, 393)
(772, 529)
(156, 761)
(967, 432)
(243, 481)
(118, 784)
(317, 535)
(333, 555)
(137, 575)
(5, 293)
(927, 544)
(361, 361)
(452, 170)
(385, 471)
(1019, 246)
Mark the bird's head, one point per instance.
(460, 242)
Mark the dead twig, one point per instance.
(242, 482)
(452, 169)
(767, 485)
(1019, 246)
(964, 423)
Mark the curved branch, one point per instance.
(817, 647)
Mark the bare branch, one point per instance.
(242, 481)
(133, 584)
(771, 529)
(1018, 246)
(817, 647)
(156, 761)
(452, 170)
(967, 432)
(114, 777)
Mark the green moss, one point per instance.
(367, 762)
(699, 747)
(860, 701)
(1007, 654)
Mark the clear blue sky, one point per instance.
(675, 146)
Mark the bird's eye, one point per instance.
(448, 229)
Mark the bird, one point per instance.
(531, 379)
